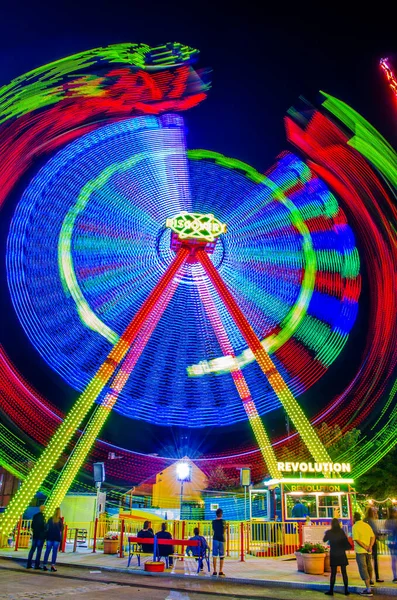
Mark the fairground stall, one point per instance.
(313, 492)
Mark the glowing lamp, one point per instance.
(184, 471)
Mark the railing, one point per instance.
(257, 538)
(273, 538)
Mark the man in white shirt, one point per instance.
(364, 539)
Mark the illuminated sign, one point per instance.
(315, 488)
(304, 467)
(196, 226)
(309, 480)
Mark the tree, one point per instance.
(343, 449)
(340, 445)
(219, 480)
(380, 482)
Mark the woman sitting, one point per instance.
(146, 532)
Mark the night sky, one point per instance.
(262, 62)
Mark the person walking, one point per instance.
(391, 526)
(339, 543)
(218, 542)
(165, 550)
(53, 537)
(39, 532)
(364, 540)
(370, 519)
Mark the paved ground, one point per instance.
(18, 584)
(86, 575)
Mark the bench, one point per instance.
(202, 556)
(134, 542)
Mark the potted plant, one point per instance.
(111, 543)
(327, 561)
(299, 559)
(313, 558)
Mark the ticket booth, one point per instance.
(322, 501)
(320, 497)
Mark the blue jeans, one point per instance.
(394, 565)
(54, 547)
(37, 544)
(218, 548)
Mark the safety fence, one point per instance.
(255, 538)
(242, 538)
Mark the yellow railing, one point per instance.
(257, 538)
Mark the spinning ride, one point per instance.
(155, 324)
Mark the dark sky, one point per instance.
(262, 60)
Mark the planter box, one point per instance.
(314, 563)
(299, 561)
(110, 546)
(327, 563)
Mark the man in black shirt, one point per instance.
(218, 542)
(39, 531)
(163, 549)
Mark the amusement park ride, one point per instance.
(127, 235)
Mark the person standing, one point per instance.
(370, 519)
(218, 542)
(39, 531)
(391, 526)
(53, 537)
(299, 510)
(163, 550)
(339, 543)
(364, 540)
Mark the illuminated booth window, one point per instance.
(320, 505)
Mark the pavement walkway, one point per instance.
(264, 572)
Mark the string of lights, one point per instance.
(384, 65)
(88, 237)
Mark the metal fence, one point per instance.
(256, 538)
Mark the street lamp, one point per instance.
(183, 473)
(99, 478)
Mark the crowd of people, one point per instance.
(218, 543)
(50, 532)
(365, 535)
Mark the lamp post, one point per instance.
(245, 480)
(183, 473)
(99, 478)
